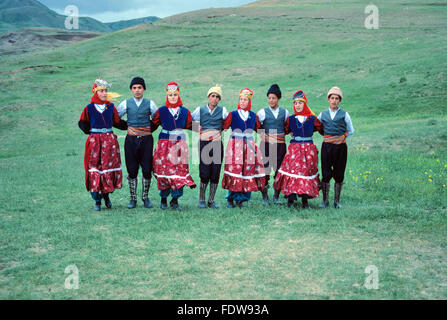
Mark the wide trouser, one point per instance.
(211, 156)
(333, 161)
(139, 153)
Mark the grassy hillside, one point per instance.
(394, 81)
(30, 39)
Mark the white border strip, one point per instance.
(244, 177)
(171, 177)
(298, 176)
(105, 171)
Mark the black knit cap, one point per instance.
(138, 80)
(275, 90)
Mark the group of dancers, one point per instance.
(247, 167)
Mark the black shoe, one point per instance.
(132, 204)
(324, 204)
(164, 204)
(265, 197)
(174, 205)
(201, 205)
(107, 201)
(290, 203)
(230, 204)
(213, 205)
(239, 204)
(97, 207)
(305, 203)
(276, 197)
(276, 201)
(147, 203)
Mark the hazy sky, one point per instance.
(114, 10)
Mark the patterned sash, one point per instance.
(139, 131)
(335, 139)
(274, 138)
(210, 135)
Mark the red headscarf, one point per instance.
(95, 98)
(249, 94)
(300, 96)
(173, 87)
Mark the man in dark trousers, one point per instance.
(139, 142)
(210, 117)
(337, 127)
(273, 146)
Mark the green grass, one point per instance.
(394, 83)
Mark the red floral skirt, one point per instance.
(244, 168)
(102, 163)
(171, 165)
(299, 171)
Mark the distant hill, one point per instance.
(123, 24)
(15, 14)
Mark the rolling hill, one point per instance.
(15, 14)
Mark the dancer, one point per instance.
(139, 143)
(171, 156)
(337, 126)
(298, 174)
(273, 145)
(102, 161)
(244, 168)
(210, 118)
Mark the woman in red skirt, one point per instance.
(102, 161)
(171, 156)
(244, 166)
(298, 174)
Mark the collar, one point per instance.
(101, 107)
(301, 118)
(209, 109)
(243, 114)
(138, 102)
(174, 110)
(338, 108)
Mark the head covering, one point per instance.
(275, 90)
(138, 80)
(337, 91)
(249, 94)
(173, 87)
(216, 89)
(101, 84)
(300, 96)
